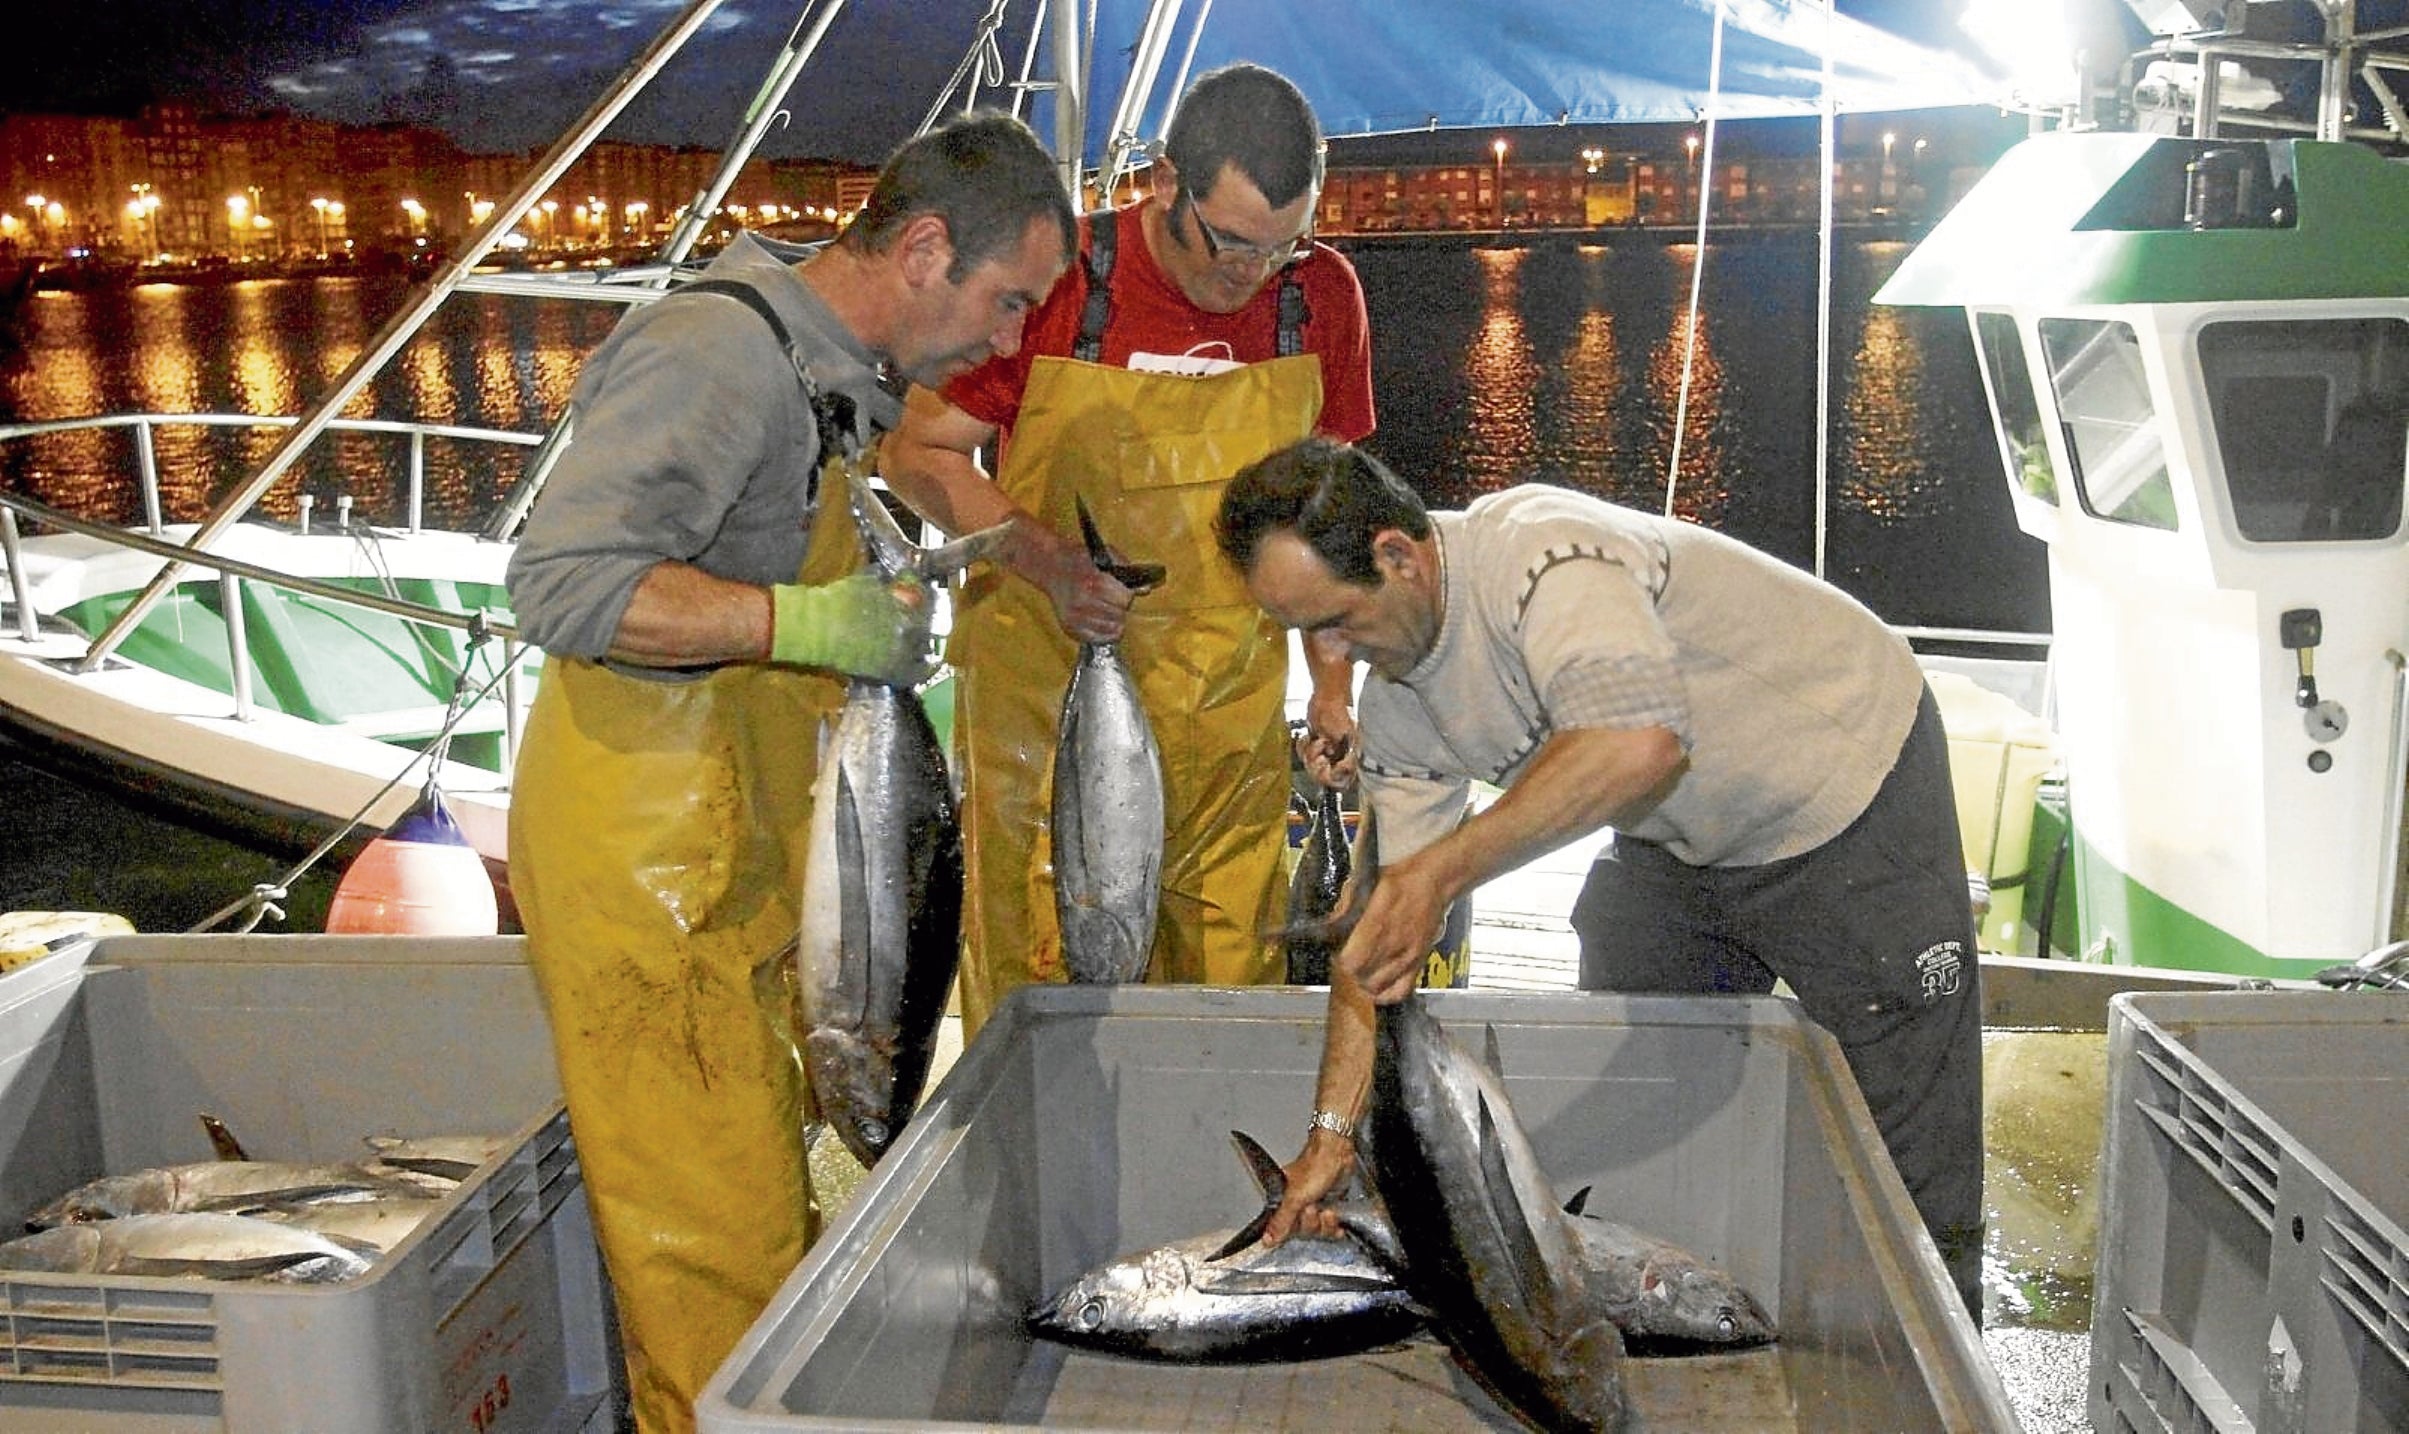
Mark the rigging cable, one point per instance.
(1827, 150)
(982, 65)
(260, 901)
(1689, 346)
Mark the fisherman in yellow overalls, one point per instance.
(1202, 329)
(663, 788)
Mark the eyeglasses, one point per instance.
(1230, 249)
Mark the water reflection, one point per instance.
(1491, 367)
(1499, 432)
(269, 347)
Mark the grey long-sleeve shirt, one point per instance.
(694, 443)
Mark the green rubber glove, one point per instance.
(862, 625)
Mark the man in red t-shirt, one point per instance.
(1202, 329)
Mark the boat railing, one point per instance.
(145, 428)
(233, 573)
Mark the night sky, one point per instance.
(504, 75)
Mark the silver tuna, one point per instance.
(370, 1226)
(882, 882)
(1108, 805)
(1313, 893)
(1306, 1299)
(203, 1244)
(220, 1185)
(1652, 1289)
(1486, 1248)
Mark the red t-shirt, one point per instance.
(1151, 315)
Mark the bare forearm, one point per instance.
(1344, 1083)
(681, 616)
(1581, 780)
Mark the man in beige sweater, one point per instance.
(1764, 748)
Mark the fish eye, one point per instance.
(1091, 1315)
(1725, 1324)
(874, 1132)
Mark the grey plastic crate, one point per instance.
(1086, 1121)
(491, 1318)
(2253, 1274)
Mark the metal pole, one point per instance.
(20, 582)
(2396, 780)
(2333, 77)
(418, 480)
(1070, 97)
(413, 316)
(238, 644)
(757, 119)
(689, 230)
(146, 464)
(513, 700)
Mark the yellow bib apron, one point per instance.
(1151, 453)
(656, 852)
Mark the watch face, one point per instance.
(2325, 721)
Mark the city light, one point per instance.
(328, 209)
(1497, 147)
(145, 205)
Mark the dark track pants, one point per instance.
(1874, 932)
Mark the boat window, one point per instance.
(2311, 419)
(2112, 431)
(2015, 406)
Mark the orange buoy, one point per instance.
(421, 878)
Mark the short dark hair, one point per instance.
(985, 175)
(1246, 115)
(1333, 495)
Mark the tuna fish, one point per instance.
(1313, 893)
(208, 1245)
(1108, 804)
(1486, 1248)
(1651, 1289)
(882, 882)
(370, 1226)
(1225, 1298)
(220, 1185)
(445, 1157)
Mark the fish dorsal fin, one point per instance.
(1491, 1056)
(1528, 1265)
(1269, 1178)
(1137, 577)
(221, 1140)
(1579, 1203)
(892, 553)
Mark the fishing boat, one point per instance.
(2195, 343)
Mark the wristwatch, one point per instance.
(1336, 1124)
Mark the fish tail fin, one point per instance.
(1269, 1178)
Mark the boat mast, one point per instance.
(413, 315)
(759, 115)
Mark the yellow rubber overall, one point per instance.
(1151, 454)
(656, 852)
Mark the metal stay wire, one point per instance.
(261, 899)
(1706, 189)
(1827, 151)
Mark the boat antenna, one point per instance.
(1706, 189)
